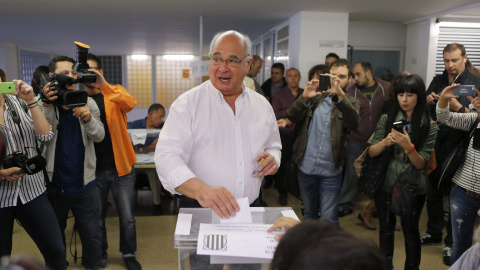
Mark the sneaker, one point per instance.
(131, 263)
(428, 240)
(447, 253)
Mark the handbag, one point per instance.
(404, 197)
(442, 180)
(373, 171)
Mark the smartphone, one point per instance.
(464, 90)
(398, 126)
(323, 83)
(7, 87)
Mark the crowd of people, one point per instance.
(304, 141)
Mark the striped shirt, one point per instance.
(27, 187)
(468, 174)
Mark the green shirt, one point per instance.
(400, 163)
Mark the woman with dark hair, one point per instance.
(22, 196)
(411, 152)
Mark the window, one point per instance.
(139, 78)
(29, 61)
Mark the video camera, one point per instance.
(66, 97)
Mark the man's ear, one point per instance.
(101, 71)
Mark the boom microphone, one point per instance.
(34, 165)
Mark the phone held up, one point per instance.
(464, 90)
(323, 83)
(7, 87)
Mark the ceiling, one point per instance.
(173, 27)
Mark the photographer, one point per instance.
(23, 196)
(72, 162)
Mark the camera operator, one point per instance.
(23, 196)
(72, 163)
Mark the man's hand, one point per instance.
(283, 222)
(432, 98)
(220, 200)
(284, 122)
(100, 79)
(310, 90)
(8, 174)
(51, 94)
(335, 88)
(82, 112)
(269, 165)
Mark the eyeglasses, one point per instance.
(231, 62)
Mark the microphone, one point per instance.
(34, 165)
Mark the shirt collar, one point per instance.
(219, 94)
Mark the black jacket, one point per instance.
(267, 87)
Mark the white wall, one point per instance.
(9, 60)
(370, 34)
(307, 30)
(420, 49)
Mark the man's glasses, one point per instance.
(231, 62)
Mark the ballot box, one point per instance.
(187, 232)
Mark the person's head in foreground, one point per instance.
(313, 245)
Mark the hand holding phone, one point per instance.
(398, 126)
(7, 87)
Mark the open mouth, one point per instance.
(223, 79)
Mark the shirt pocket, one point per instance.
(259, 137)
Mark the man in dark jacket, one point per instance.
(276, 82)
(454, 58)
(319, 149)
(372, 94)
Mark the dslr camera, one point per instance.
(66, 97)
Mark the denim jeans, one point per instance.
(435, 216)
(463, 210)
(350, 179)
(124, 195)
(38, 219)
(86, 211)
(411, 233)
(320, 193)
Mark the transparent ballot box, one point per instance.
(186, 239)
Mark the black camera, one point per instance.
(66, 97)
(28, 166)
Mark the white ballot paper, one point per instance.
(242, 216)
(237, 240)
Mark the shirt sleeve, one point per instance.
(379, 133)
(274, 144)
(119, 95)
(455, 120)
(174, 147)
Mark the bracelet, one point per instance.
(31, 107)
(36, 102)
(411, 149)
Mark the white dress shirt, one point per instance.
(203, 138)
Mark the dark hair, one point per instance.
(343, 63)
(95, 58)
(411, 84)
(365, 65)
(36, 78)
(53, 63)
(3, 76)
(155, 107)
(315, 245)
(280, 66)
(332, 55)
(317, 69)
(454, 46)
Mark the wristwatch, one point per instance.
(462, 109)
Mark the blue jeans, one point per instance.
(350, 179)
(86, 211)
(320, 193)
(39, 221)
(463, 210)
(124, 195)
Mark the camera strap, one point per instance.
(16, 119)
(3, 144)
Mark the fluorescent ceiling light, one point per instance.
(139, 57)
(178, 57)
(459, 24)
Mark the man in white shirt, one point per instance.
(217, 133)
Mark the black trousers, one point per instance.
(411, 233)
